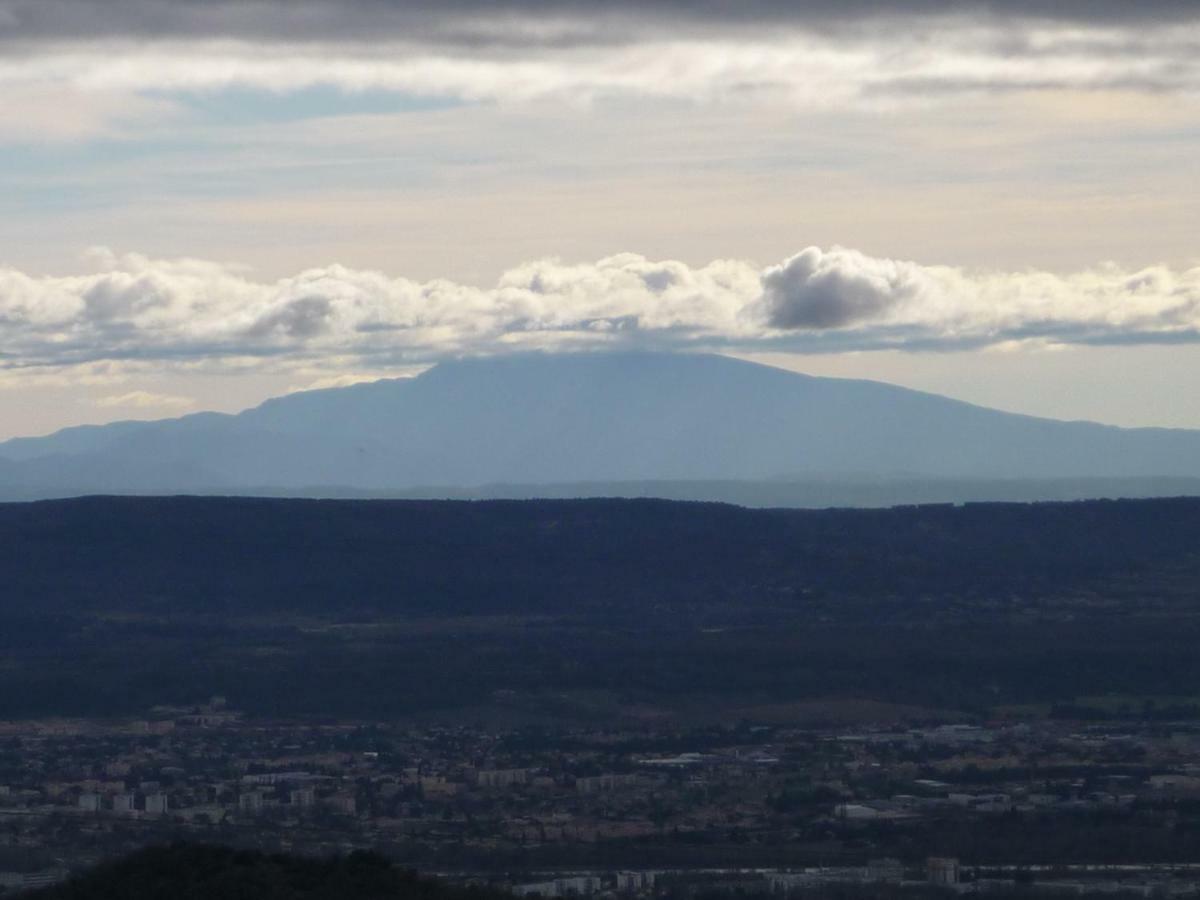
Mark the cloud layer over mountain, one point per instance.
(135, 308)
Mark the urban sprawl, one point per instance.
(652, 809)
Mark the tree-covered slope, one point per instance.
(384, 608)
(199, 872)
(243, 557)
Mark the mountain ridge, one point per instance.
(543, 419)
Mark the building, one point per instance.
(156, 804)
(955, 735)
(438, 786)
(984, 803)
(885, 870)
(535, 889)
(499, 778)
(250, 802)
(89, 802)
(270, 779)
(1174, 783)
(29, 881)
(856, 811)
(633, 882)
(577, 886)
(597, 783)
(942, 870)
(124, 803)
(303, 798)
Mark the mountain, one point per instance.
(596, 421)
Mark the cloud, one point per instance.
(523, 22)
(48, 109)
(132, 54)
(817, 290)
(145, 400)
(348, 380)
(803, 69)
(140, 311)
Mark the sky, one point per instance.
(204, 204)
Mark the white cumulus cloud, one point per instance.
(145, 400)
(143, 311)
(829, 290)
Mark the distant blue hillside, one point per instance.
(586, 418)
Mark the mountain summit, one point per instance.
(585, 418)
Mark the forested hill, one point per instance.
(589, 608)
(352, 558)
(181, 872)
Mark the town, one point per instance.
(637, 809)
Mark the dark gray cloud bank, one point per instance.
(530, 22)
(821, 54)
